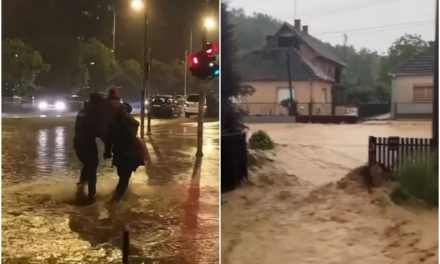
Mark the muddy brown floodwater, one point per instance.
(170, 209)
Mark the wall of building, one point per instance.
(265, 99)
(402, 96)
(403, 87)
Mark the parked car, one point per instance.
(74, 103)
(165, 105)
(192, 105)
(180, 99)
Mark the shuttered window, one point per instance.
(422, 93)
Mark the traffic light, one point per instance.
(203, 63)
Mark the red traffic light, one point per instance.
(194, 60)
(211, 49)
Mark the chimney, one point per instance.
(297, 24)
(305, 29)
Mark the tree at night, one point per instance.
(100, 63)
(21, 67)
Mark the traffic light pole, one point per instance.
(186, 74)
(201, 114)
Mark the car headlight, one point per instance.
(42, 105)
(60, 105)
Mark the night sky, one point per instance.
(54, 26)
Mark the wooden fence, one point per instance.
(394, 152)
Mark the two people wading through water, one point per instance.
(109, 120)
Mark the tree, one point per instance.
(252, 29)
(166, 78)
(97, 65)
(129, 77)
(21, 67)
(402, 49)
(231, 80)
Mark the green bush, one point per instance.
(252, 161)
(261, 140)
(419, 178)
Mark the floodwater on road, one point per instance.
(321, 153)
(170, 209)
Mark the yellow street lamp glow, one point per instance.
(137, 5)
(209, 23)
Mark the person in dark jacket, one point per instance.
(84, 143)
(113, 106)
(125, 148)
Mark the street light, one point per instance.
(137, 5)
(209, 23)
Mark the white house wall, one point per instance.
(402, 95)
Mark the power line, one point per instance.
(331, 11)
(414, 23)
(377, 30)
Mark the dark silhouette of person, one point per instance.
(84, 143)
(127, 155)
(112, 107)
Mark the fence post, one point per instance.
(125, 247)
(371, 150)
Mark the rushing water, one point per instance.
(170, 210)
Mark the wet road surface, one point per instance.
(170, 209)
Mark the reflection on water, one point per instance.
(43, 161)
(60, 147)
(171, 207)
(51, 150)
(190, 219)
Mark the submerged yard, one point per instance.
(291, 210)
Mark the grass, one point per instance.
(418, 179)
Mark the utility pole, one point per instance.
(435, 88)
(114, 30)
(345, 46)
(148, 94)
(186, 74)
(187, 51)
(295, 10)
(291, 109)
(145, 71)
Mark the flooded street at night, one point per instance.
(170, 209)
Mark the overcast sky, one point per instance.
(373, 24)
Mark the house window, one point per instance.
(422, 93)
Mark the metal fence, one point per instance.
(374, 109)
(302, 109)
(263, 109)
(394, 152)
